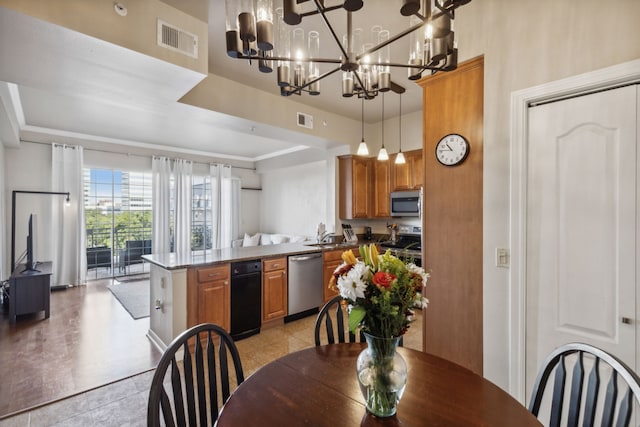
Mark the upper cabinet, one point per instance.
(409, 175)
(355, 189)
(365, 183)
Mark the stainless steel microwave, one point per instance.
(405, 203)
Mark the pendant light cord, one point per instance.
(362, 120)
(400, 124)
(382, 119)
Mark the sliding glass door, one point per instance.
(118, 222)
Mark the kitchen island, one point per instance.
(196, 289)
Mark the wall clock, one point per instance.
(452, 149)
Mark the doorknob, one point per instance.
(627, 320)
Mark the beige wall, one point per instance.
(527, 43)
(136, 31)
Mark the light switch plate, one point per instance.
(502, 257)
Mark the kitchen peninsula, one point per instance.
(185, 292)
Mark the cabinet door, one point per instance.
(274, 294)
(401, 175)
(213, 303)
(362, 174)
(407, 176)
(331, 260)
(381, 208)
(417, 170)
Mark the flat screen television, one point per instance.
(32, 244)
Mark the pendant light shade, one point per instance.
(363, 150)
(400, 157)
(382, 154)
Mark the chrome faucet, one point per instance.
(322, 238)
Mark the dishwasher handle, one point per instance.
(305, 257)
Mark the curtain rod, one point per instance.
(126, 154)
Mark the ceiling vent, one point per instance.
(177, 39)
(305, 120)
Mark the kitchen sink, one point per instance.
(332, 245)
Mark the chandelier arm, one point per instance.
(330, 27)
(321, 9)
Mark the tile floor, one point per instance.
(125, 402)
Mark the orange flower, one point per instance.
(382, 279)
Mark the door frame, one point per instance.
(610, 77)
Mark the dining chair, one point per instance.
(334, 312)
(191, 383)
(613, 401)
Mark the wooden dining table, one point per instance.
(318, 387)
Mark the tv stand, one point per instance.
(29, 290)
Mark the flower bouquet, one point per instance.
(381, 291)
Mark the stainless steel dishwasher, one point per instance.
(305, 285)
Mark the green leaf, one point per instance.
(356, 315)
(363, 253)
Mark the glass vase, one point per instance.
(382, 374)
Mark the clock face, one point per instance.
(452, 149)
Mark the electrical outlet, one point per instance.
(502, 257)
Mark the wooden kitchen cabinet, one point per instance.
(213, 295)
(381, 189)
(408, 176)
(355, 189)
(274, 288)
(330, 261)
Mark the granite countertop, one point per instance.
(169, 261)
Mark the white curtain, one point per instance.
(161, 184)
(69, 263)
(225, 205)
(182, 235)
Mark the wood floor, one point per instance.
(88, 341)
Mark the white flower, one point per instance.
(353, 284)
(419, 271)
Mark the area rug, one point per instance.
(134, 297)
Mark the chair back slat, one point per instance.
(575, 398)
(200, 380)
(624, 416)
(558, 394)
(591, 400)
(195, 389)
(585, 404)
(224, 380)
(610, 401)
(340, 322)
(176, 387)
(329, 325)
(213, 380)
(188, 384)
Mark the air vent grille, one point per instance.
(177, 39)
(305, 120)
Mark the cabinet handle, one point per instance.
(627, 320)
(226, 282)
(276, 265)
(213, 274)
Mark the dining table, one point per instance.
(318, 387)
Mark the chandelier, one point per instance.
(258, 32)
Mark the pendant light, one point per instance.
(382, 154)
(363, 150)
(400, 157)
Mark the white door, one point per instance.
(581, 231)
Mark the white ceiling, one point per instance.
(72, 87)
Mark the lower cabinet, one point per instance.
(330, 261)
(212, 293)
(274, 288)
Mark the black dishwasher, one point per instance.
(246, 292)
